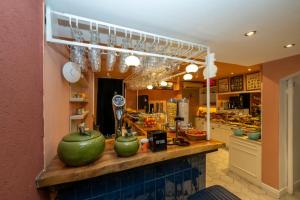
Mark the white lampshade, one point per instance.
(191, 68)
(132, 61)
(210, 71)
(163, 83)
(188, 77)
(149, 87)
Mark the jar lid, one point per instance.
(144, 140)
(78, 137)
(126, 138)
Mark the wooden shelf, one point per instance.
(240, 92)
(78, 100)
(78, 117)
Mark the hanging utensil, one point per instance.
(95, 54)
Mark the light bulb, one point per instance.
(132, 61)
(191, 68)
(163, 83)
(149, 87)
(187, 77)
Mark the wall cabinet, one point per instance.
(245, 158)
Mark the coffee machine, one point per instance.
(118, 103)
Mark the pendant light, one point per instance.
(132, 60)
(191, 68)
(163, 83)
(187, 77)
(149, 87)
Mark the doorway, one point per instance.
(290, 134)
(107, 88)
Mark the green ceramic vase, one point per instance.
(126, 146)
(77, 149)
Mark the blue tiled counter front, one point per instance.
(172, 179)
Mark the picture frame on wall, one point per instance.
(223, 85)
(237, 83)
(253, 81)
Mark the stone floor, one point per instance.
(218, 174)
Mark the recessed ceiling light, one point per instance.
(249, 69)
(231, 73)
(250, 33)
(289, 45)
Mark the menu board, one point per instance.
(253, 81)
(237, 83)
(223, 85)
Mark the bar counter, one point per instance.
(57, 173)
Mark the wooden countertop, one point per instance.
(57, 173)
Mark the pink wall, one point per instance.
(272, 73)
(21, 88)
(56, 99)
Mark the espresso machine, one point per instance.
(118, 103)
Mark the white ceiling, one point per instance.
(219, 24)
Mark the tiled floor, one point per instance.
(218, 174)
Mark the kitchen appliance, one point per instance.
(157, 140)
(171, 112)
(183, 111)
(81, 148)
(244, 100)
(143, 102)
(118, 103)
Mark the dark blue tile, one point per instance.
(100, 197)
(139, 176)
(139, 191)
(178, 179)
(195, 179)
(112, 196)
(128, 193)
(98, 186)
(149, 172)
(150, 190)
(113, 183)
(160, 188)
(187, 183)
(66, 194)
(170, 187)
(83, 190)
(127, 178)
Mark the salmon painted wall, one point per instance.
(272, 73)
(21, 108)
(56, 99)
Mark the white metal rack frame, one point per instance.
(141, 43)
(165, 47)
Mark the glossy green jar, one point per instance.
(76, 149)
(126, 146)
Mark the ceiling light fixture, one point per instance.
(250, 33)
(132, 61)
(187, 77)
(289, 45)
(163, 83)
(149, 87)
(231, 73)
(191, 68)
